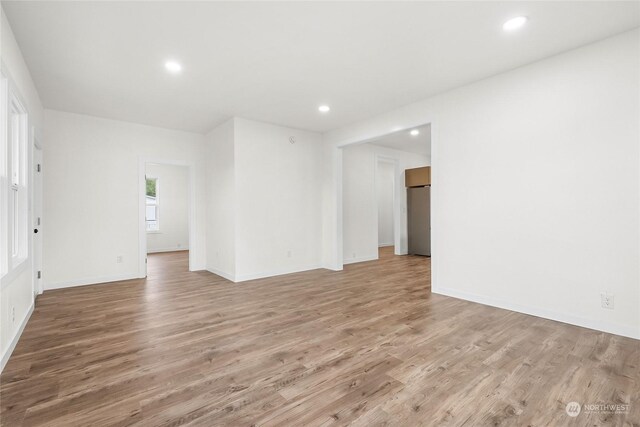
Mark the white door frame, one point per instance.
(337, 261)
(397, 208)
(191, 206)
(36, 212)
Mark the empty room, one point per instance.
(316, 213)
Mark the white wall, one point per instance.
(360, 199)
(221, 201)
(16, 289)
(385, 182)
(173, 207)
(91, 195)
(264, 200)
(15, 66)
(279, 199)
(535, 186)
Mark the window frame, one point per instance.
(4, 176)
(18, 120)
(15, 180)
(156, 205)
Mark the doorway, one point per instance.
(373, 196)
(166, 217)
(385, 193)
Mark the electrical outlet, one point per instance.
(119, 259)
(288, 254)
(606, 300)
(13, 315)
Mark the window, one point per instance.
(152, 208)
(4, 177)
(14, 150)
(17, 133)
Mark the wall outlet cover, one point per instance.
(606, 301)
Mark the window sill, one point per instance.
(11, 275)
(17, 263)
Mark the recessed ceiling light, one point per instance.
(324, 108)
(514, 23)
(173, 67)
(415, 132)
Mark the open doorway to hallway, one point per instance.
(166, 218)
(377, 213)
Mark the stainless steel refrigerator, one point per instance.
(419, 220)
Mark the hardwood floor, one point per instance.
(367, 346)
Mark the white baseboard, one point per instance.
(159, 250)
(385, 245)
(598, 325)
(332, 267)
(261, 275)
(221, 273)
(360, 259)
(198, 267)
(90, 281)
(16, 337)
(280, 272)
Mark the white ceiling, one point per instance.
(276, 62)
(403, 140)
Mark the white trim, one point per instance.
(37, 284)
(191, 204)
(90, 281)
(335, 261)
(174, 249)
(4, 175)
(20, 222)
(221, 273)
(638, 177)
(385, 245)
(16, 338)
(360, 259)
(279, 272)
(338, 264)
(435, 205)
(603, 326)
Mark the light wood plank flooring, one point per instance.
(367, 346)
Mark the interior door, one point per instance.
(37, 221)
